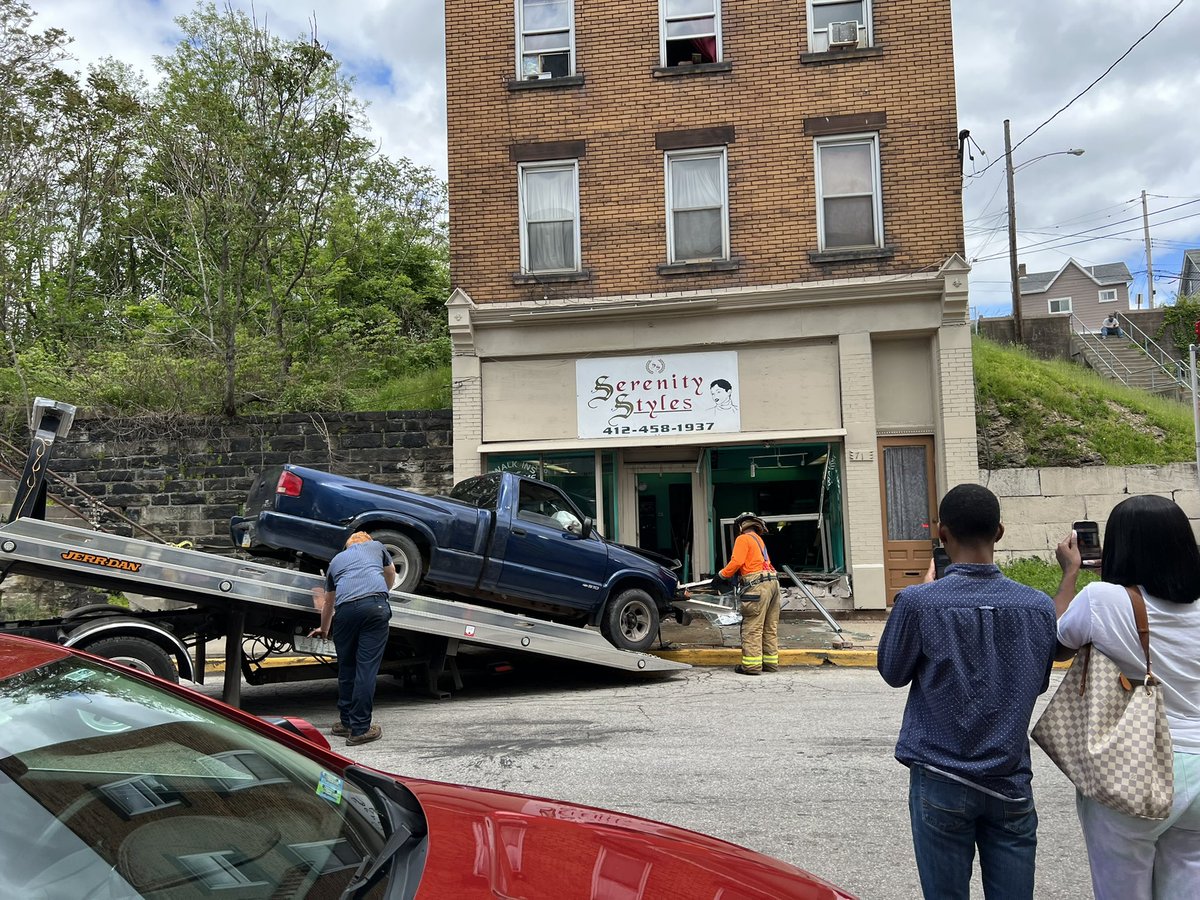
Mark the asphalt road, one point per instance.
(798, 765)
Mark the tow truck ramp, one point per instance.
(64, 553)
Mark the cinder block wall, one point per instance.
(184, 479)
(1038, 506)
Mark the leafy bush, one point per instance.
(1179, 322)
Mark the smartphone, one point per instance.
(1087, 536)
(941, 559)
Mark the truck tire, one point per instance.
(406, 557)
(136, 653)
(631, 620)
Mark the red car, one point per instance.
(115, 784)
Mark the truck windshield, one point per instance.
(482, 491)
(112, 787)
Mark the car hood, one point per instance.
(660, 558)
(491, 844)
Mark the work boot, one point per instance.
(340, 729)
(769, 668)
(742, 670)
(373, 733)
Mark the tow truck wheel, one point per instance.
(136, 653)
(406, 557)
(631, 620)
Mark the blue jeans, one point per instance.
(950, 819)
(360, 633)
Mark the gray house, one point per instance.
(1089, 293)
(1189, 275)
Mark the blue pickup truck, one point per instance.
(499, 538)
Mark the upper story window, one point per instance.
(690, 31)
(697, 206)
(834, 24)
(1059, 306)
(549, 217)
(545, 39)
(849, 208)
(1108, 295)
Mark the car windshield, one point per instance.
(111, 787)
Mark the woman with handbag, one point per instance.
(1149, 555)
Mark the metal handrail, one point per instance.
(1082, 329)
(1175, 369)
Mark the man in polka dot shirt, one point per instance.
(975, 649)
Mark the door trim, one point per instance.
(927, 441)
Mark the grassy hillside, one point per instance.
(1031, 412)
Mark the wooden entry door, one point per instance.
(909, 510)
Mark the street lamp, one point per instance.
(1012, 224)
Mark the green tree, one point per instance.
(250, 138)
(1179, 322)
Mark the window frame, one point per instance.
(662, 31)
(836, 140)
(867, 26)
(1102, 299)
(722, 154)
(1061, 312)
(519, 24)
(524, 167)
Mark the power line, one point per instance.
(1101, 77)
(1045, 245)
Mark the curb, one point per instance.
(731, 656)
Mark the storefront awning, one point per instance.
(657, 440)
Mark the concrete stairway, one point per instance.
(1122, 360)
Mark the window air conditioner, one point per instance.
(843, 34)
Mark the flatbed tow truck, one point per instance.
(242, 602)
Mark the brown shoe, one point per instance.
(742, 670)
(340, 730)
(373, 733)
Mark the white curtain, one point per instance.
(550, 219)
(697, 198)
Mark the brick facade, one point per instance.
(765, 96)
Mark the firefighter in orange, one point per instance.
(760, 616)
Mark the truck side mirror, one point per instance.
(586, 531)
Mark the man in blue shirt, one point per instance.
(355, 609)
(976, 649)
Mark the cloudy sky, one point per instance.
(1021, 60)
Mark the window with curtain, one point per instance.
(906, 481)
(828, 24)
(550, 217)
(691, 31)
(850, 212)
(696, 200)
(545, 41)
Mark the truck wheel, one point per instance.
(406, 557)
(136, 653)
(631, 620)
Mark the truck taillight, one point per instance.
(289, 484)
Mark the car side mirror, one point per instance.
(586, 531)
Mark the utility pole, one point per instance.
(1149, 260)
(1012, 236)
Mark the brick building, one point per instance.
(706, 259)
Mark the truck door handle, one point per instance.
(520, 532)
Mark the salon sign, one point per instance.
(675, 394)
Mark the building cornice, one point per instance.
(876, 289)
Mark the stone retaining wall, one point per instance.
(183, 480)
(1038, 506)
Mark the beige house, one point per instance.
(1086, 293)
(699, 272)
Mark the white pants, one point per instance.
(1147, 859)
